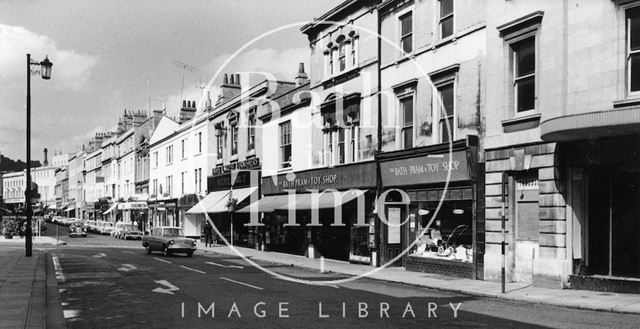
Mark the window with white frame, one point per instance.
(285, 144)
(445, 112)
(406, 120)
(341, 146)
(169, 184)
(251, 130)
(169, 154)
(445, 21)
(406, 32)
(524, 74)
(182, 182)
(234, 139)
(354, 50)
(342, 54)
(195, 181)
(219, 143)
(182, 149)
(633, 49)
(353, 147)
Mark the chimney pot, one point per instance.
(184, 103)
(238, 79)
(225, 80)
(232, 79)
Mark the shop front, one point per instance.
(228, 192)
(134, 212)
(428, 221)
(165, 213)
(320, 212)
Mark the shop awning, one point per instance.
(216, 202)
(69, 208)
(209, 202)
(266, 204)
(113, 207)
(327, 199)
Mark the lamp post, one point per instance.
(45, 71)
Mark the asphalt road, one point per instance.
(109, 283)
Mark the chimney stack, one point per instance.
(188, 111)
(45, 163)
(301, 77)
(230, 88)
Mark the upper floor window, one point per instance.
(633, 49)
(219, 144)
(524, 74)
(446, 112)
(169, 156)
(199, 142)
(234, 139)
(406, 32)
(446, 18)
(251, 130)
(342, 55)
(182, 149)
(285, 144)
(406, 113)
(341, 146)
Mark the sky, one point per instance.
(113, 55)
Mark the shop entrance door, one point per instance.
(393, 234)
(614, 221)
(526, 225)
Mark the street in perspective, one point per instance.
(320, 164)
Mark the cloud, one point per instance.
(283, 64)
(70, 69)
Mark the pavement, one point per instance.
(520, 292)
(29, 295)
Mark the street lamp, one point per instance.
(45, 71)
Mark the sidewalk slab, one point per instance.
(28, 291)
(520, 292)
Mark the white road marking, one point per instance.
(70, 313)
(127, 268)
(169, 290)
(100, 255)
(242, 283)
(162, 260)
(193, 269)
(58, 269)
(226, 266)
(128, 252)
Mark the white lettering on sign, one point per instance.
(425, 168)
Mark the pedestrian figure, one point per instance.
(208, 234)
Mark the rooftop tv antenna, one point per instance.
(184, 68)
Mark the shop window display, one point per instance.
(450, 235)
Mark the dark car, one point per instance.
(169, 240)
(77, 230)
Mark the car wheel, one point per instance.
(166, 251)
(148, 249)
(190, 254)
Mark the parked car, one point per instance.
(91, 226)
(116, 229)
(77, 229)
(105, 228)
(168, 240)
(67, 221)
(129, 231)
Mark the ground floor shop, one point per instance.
(164, 212)
(320, 213)
(229, 190)
(428, 211)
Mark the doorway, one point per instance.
(614, 222)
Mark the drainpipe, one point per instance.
(375, 253)
(504, 236)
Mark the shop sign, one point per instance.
(425, 169)
(243, 179)
(358, 176)
(132, 206)
(252, 163)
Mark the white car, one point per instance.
(117, 229)
(105, 228)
